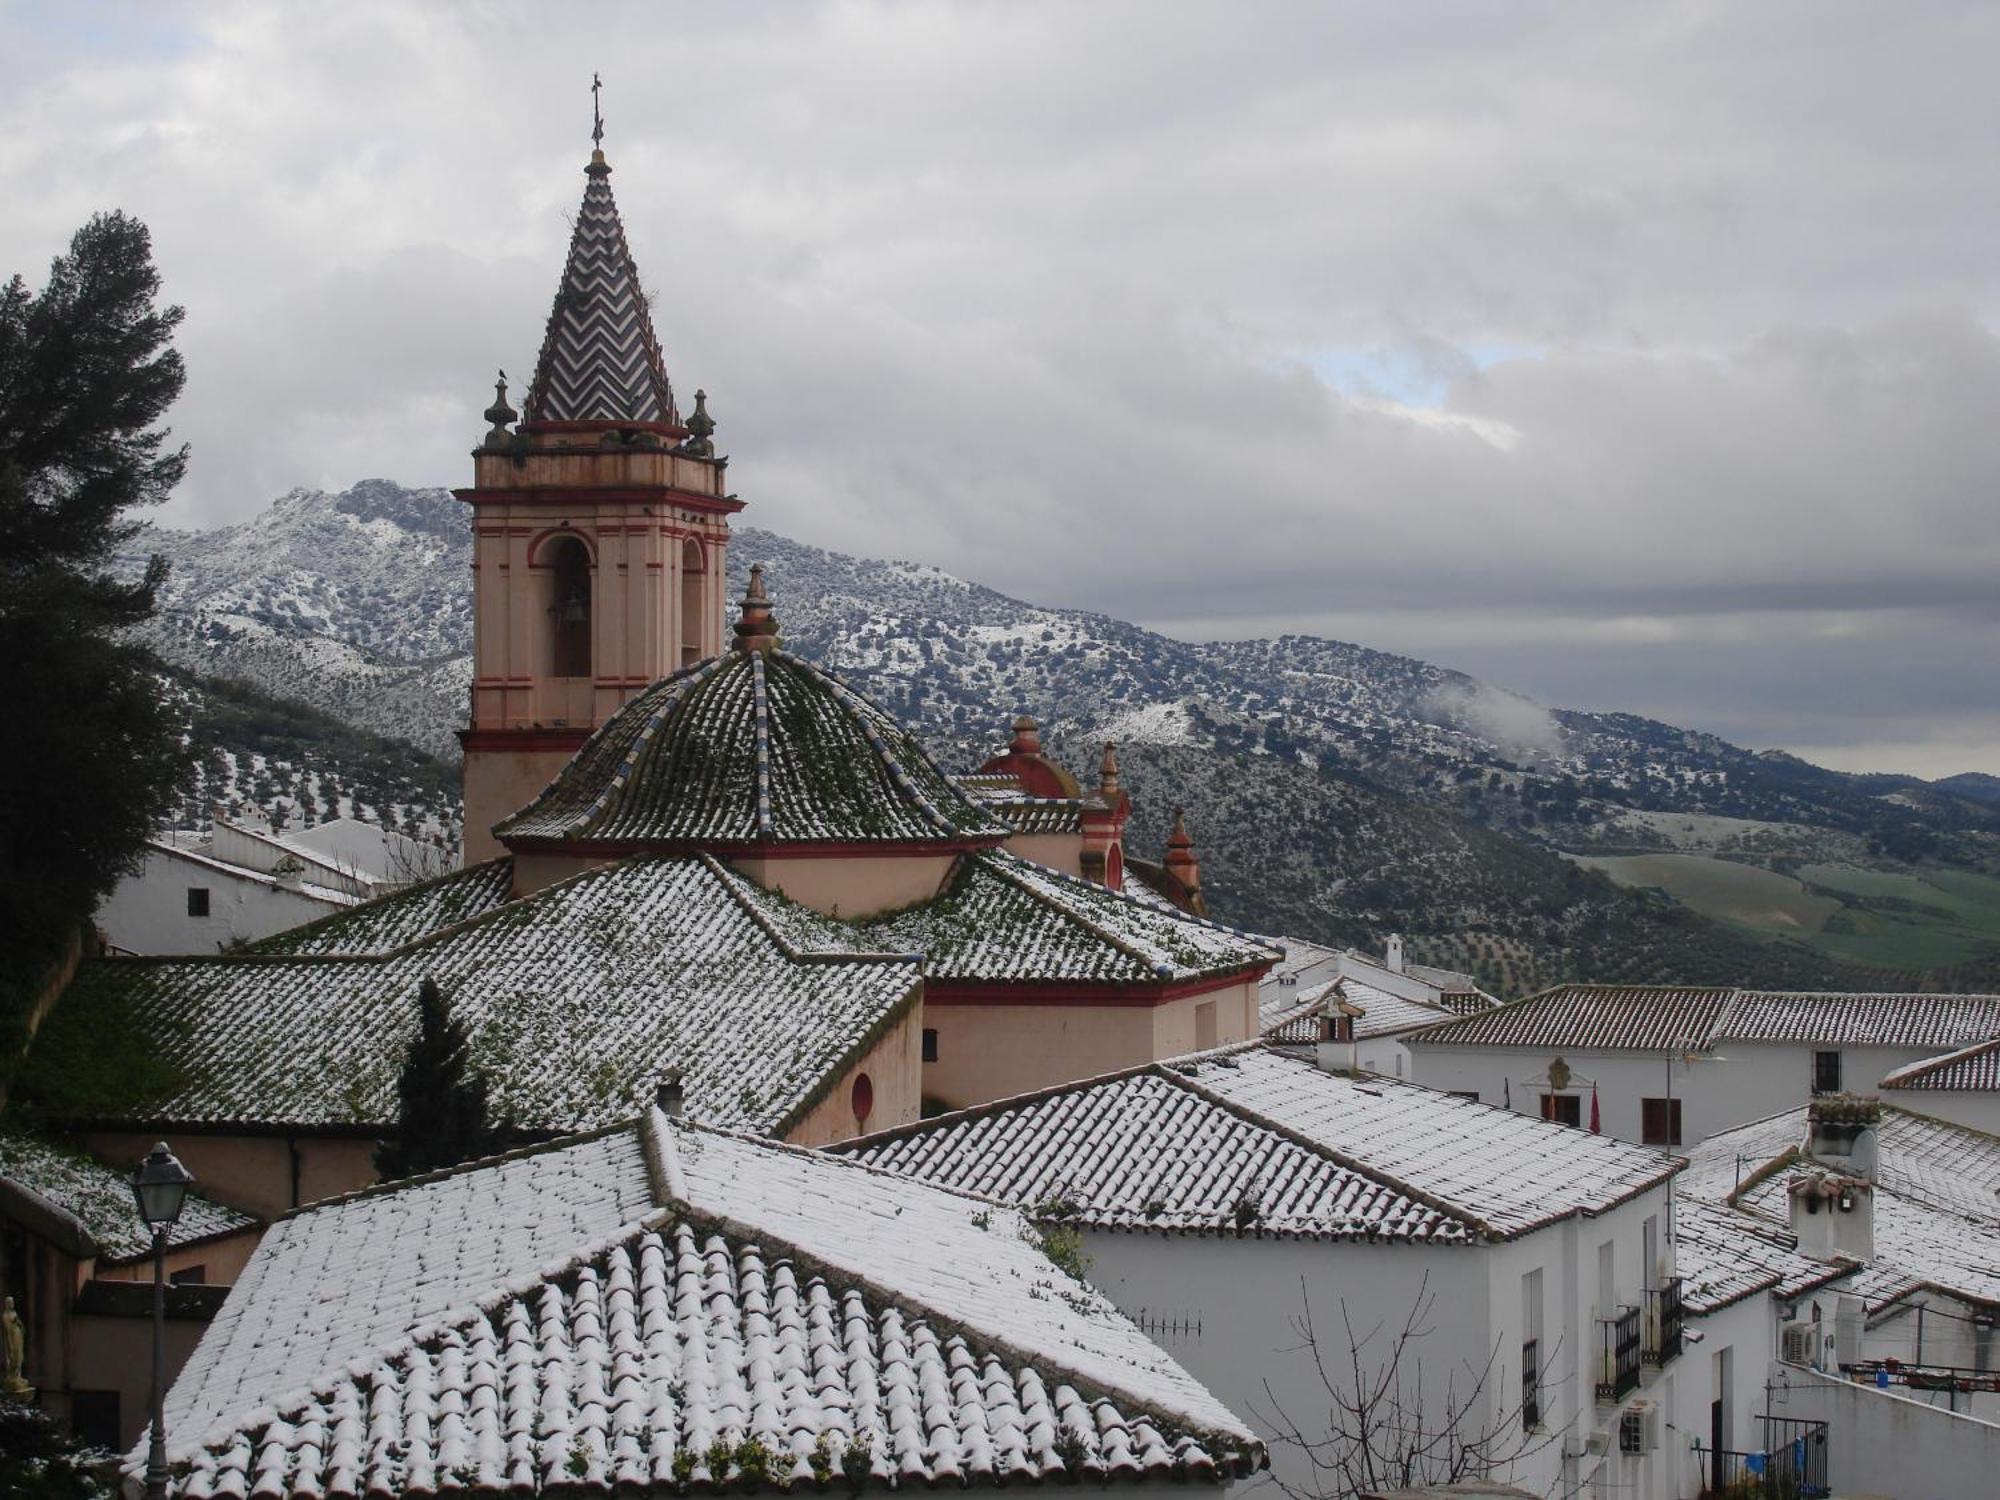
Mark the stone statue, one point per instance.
(13, 1352)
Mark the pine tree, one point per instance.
(442, 1118)
(93, 755)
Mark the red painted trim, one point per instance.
(539, 538)
(522, 739)
(826, 849)
(585, 495)
(1122, 993)
(665, 429)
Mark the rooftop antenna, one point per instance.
(596, 115)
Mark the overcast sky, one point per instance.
(1635, 357)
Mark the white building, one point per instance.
(1961, 1086)
(1666, 1067)
(1355, 1010)
(656, 1310)
(1914, 1204)
(1219, 1199)
(206, 890)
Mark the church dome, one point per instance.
(751, 749)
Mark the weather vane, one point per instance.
(596, 116)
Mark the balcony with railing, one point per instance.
(1792, 1467)
(1619, 1373)
(1531, 1385)
(1663, 1321)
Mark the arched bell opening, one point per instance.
(568, 561)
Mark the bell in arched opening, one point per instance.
(569, 614)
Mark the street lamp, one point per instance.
(160, 1183)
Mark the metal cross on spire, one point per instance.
(596, 116)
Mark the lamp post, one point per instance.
(160, 1184)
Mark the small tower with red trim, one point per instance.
(600, 527)
(1185, 868)
(1104, 817)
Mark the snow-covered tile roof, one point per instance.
(1009, 920)
(1512, 1172)
(1002, 794)
(402, 916)
(1724, 1254)
(1588, 1015)
(577, 999)
(1186, 1145)
(1936, 1203)
(1384, 1014)
(1148, 1150)
(1974, 1068)
(331, 896)
(752, 748)
(659, 1309)
(86, 1195)
(1297, 1026)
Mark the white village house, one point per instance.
(1668, 1067)
(206, 890)
(1356, 1010)
(1961, 1086)
(656, 1309)
(1220, 1197)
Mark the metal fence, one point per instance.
(1663, 1322)
(1791, 1467)
(1620, 1370)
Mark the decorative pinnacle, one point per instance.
(1027, 737)
(701, 428)
(499, 413)
(1107, 773)
(598, 166)
(756, 627)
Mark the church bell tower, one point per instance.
(600, 525)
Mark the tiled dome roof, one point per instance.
(751, 748)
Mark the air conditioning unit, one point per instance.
(1598, 1441)
(1798, 1343)
(1639, 1427)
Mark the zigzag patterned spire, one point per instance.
(600, 361)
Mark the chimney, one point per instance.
(668, 1094)
(289, 873)
(1832, 1194)
(1395, 955)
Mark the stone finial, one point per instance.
(1027, 737)
(756, 627)
(1107, 774)
(499, 414)
(1181, 858)
(701, 429)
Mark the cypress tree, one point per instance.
(93, 754)
(442, 1118)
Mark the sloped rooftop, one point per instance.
(1972, 1069)
(1936, 1200)
(577, 998)
(751, 748)
(1004, 919)
(659, 1309)
(94, 1202)
(402, 916)
(600, 360)
(1185, 1145)
(1724, 1254)
(1664, 1019)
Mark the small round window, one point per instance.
(864, 1098)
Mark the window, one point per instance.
(1336, 1028)
(569, 608)
(1531, 1349)
(1564, 1109)
(1472, 1094)
(930, 1044)
(197, 900)
(694, 579)
(190, 1276)
(863, 1098)
(1826, 1072)
(1660, 1122)
(1204, 1026)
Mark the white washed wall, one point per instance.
(1977, 1108)
(1882, 1443)
(147, 912)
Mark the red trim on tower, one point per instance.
(537, 738)
(665, 429)
(579, 494)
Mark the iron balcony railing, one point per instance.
(1793, 1468)
(1663, 1321)
(1620, 1371)
(1531, 1385)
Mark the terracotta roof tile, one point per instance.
(1974, 1068)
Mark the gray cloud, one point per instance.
(1633, 361)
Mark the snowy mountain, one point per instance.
(1391, 792)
